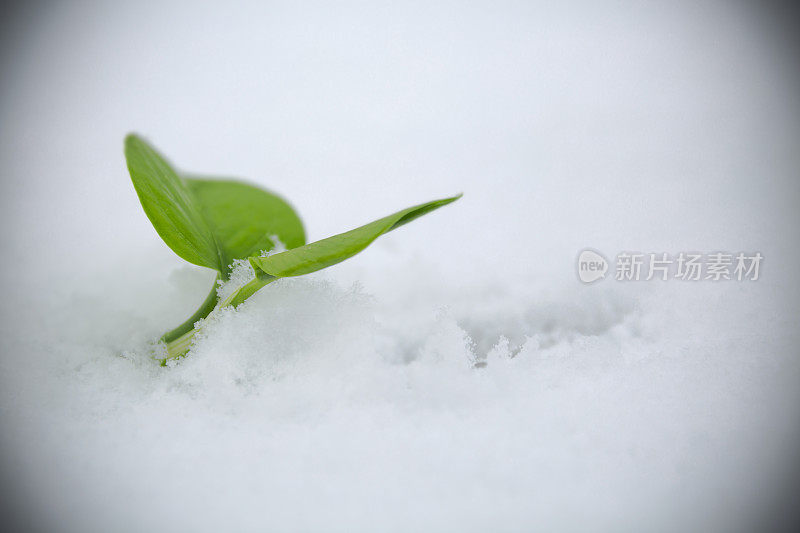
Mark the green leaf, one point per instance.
(170, 206)
(328, 252)
(244, 219)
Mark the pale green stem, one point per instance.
(205, 309)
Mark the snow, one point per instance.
(455, 376)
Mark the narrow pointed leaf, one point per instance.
(327, 252)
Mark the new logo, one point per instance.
(591, 266)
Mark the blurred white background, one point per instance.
(658, 127)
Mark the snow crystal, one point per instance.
(241, 271)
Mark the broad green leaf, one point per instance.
(243, 218)
(327, 252)
(170, 206)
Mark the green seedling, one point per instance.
(211, 222)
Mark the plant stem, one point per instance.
(247, 291)
(178, 347)
(179, 340)
(204, 310)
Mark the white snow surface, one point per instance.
(350, 400)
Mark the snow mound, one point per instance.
(397, 416)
